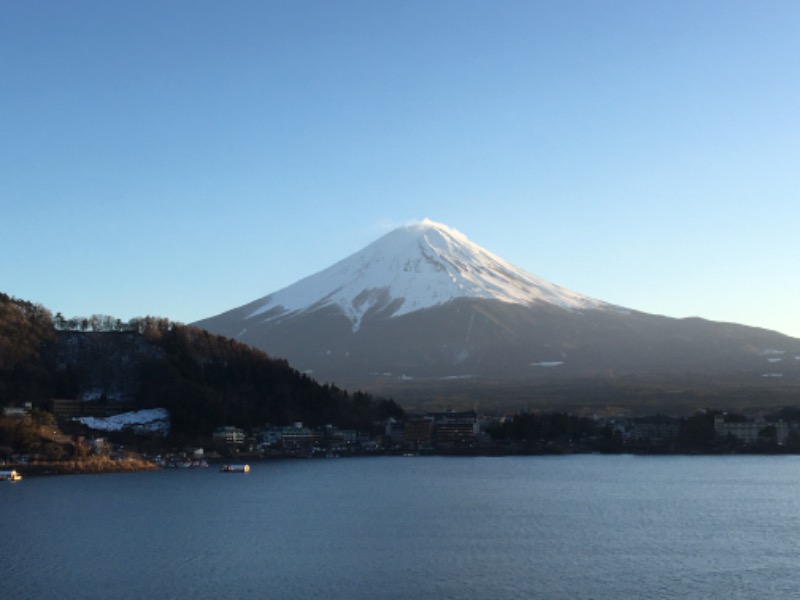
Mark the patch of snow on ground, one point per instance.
(153, 420)
(548, 363)
(770, 351)
(772, 375)
(774, 360)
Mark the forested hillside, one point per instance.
(26, 329)
(204, 380)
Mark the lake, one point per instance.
(577, 527)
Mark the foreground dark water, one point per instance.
(598, 527)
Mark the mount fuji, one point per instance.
(423, 314)
(414, 268)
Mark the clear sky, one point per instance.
(182, 158)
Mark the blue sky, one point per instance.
(183, 158)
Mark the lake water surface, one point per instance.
(577, 527)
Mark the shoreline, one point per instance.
(86, 466)
(100, 465)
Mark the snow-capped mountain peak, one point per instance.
(412, 268)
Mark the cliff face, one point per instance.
(94, 366)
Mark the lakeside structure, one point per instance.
(10, 475)
(467, 432)
(445, 432)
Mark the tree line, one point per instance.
(108, 323)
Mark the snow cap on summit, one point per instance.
(418, 266)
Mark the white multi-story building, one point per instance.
(228, 437)
(749, 432)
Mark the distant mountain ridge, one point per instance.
(423, 310)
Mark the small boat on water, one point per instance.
(235, 469)
(10, 476)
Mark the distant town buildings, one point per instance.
(464, 432)
(228, 439)
(467, 432)
(751, 432)
(658, 429)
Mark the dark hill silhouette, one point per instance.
(204, 380)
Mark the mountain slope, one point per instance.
(424, 308)
(410, 269)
